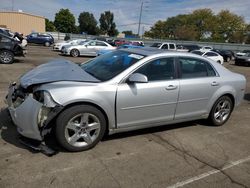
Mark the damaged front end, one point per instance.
(31, 110)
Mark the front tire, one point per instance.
(221, 111)
(80, 127)
(74, 53)
(47, 44)
(6, 57)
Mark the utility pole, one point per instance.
(139, 26)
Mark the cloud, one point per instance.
(127, 12)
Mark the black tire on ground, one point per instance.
(69, 117)
(222, 108)
(74, 53)
(6, 57)
(47, 44)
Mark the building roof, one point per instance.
(24, 13)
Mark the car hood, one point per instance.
(56, 70)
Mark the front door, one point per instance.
(140, 104)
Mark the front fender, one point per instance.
(101, 96)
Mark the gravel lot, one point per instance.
(188, 154)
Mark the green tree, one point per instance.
(229, 25)
(49, 25)
(65, 21)
(158, 30)
(129, 33)
(107, 24)
(202, 24)
(87, 23)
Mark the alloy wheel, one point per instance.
(82, 130)
(222, 111)
(6, 57)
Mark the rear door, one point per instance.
(198, 83)
(141, 104)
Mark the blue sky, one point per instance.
(126, 12)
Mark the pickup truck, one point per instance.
(164, 45)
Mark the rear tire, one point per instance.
(221, 111)
(6, 57)
(80, 127)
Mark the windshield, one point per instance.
(109, 65)
(157, 45)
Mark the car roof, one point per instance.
(148, 51)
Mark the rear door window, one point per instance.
(195, 68)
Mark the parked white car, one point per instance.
(58, 46)
(206, 48)
(89, 48)
(210, 55)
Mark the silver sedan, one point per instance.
(89, 48)
(121, 91)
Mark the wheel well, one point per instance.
(231, 97)
(91, 104)
(74, 49)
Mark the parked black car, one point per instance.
(5, 32)
(9, 47)
(226, 54)
(40, 38)
(243, 60)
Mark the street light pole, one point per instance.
(139, 25)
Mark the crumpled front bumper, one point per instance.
(25, 115)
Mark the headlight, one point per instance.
(45, 98)
(248, 59)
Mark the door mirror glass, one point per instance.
(138, 78)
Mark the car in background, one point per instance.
(9, 48)
(226, 54)
(210, 55)
(6, 32)
(89, 48)
(243, 53)
(40, 38)
(124, 90)
(190, 47)
(206, 48)
(58, 46)
(164, 45)
(181, 48)
(120, 42)
(136, 43)
(243, 60)
(101, 52)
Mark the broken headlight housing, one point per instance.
(45, 98)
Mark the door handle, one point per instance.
(171, 87)
(214, 83)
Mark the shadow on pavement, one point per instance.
(247, 96)
(10, 135)
(8, 130)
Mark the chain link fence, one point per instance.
(227, 46)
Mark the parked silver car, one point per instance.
(120, 91)
(89, 48)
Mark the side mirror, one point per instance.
(137, 78)
(86, 45)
